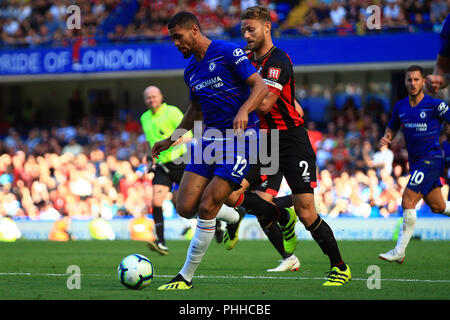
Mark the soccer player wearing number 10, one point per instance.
(420, 118)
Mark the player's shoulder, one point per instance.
(228, 48)
(402, 102)
(435, 102)
(172, 109)
(145, 115)
(280, 54)
(278, 57)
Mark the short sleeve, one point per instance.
(278, 72)
(238, 60)
(442, 110)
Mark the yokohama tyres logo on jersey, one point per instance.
(273, 73)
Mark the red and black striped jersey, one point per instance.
(275, 67)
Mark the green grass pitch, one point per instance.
(36, 270)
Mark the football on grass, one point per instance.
(135, 271)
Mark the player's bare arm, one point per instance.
(440, 77)
(299, 108)
(192, 114)
(258, 92)
(268, 102)
(388, 136)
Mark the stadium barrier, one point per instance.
(427, 228)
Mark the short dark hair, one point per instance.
(256, 12)
(183, 19)
(415, 67)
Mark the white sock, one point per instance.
(227, 214)
(203, 235)
(406, 230)
(447, 208)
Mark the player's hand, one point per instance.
(385, 141)
(160, 146)
(434, 82)
(240, 122)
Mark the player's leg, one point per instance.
(191, 188)
(212, 199)
(299, 169)
(436, 202)
(161, 186)
(253, 204)
(410, 199)
(274, 233)
(424, 181)
(231, 234)
(284, 201)
(287, 217)
(190, 191)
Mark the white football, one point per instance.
(135, 271)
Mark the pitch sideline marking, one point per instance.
(218, 277)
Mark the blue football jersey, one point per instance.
(445, 38)
(217, 82)
(421, 126)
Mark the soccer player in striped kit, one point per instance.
(296, 155)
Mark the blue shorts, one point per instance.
(425, 175)
(228, 158)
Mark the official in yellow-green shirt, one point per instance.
(158, 123)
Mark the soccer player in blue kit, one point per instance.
(420, 117)
(225, 89)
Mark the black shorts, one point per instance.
(270, 184)
(297, 160)
(168, 173)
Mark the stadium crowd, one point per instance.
(26, 23)
(96, 168)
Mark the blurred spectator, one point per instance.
(73, 147)
(341, 155)
(21, 21)
(438, 10)
(337, 13)
(381, 160)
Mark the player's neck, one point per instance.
(415, 100)
(264, 49)
(155, 110)
(202, 46)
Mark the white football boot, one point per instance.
(393, 255)
(289, 264)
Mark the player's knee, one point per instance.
(437, 207)
(306, 212)
(233, 199)
(185, 210)
(407, 204)
(208, 209)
